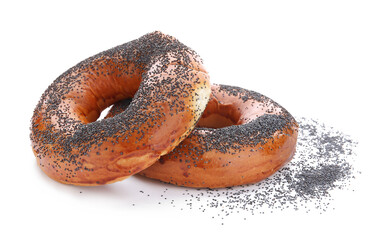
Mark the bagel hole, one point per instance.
(104, 113)
(219, 115)
(117, 108)
(215, 121)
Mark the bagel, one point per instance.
(170, 89)
(242, 137)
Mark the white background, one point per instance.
(316, 58)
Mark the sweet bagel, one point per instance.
(170, 89)
(242, 137)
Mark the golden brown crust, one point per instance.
(171, 90)
(253, 137)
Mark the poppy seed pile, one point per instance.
(323, 162)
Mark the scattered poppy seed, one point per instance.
(323, 162)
